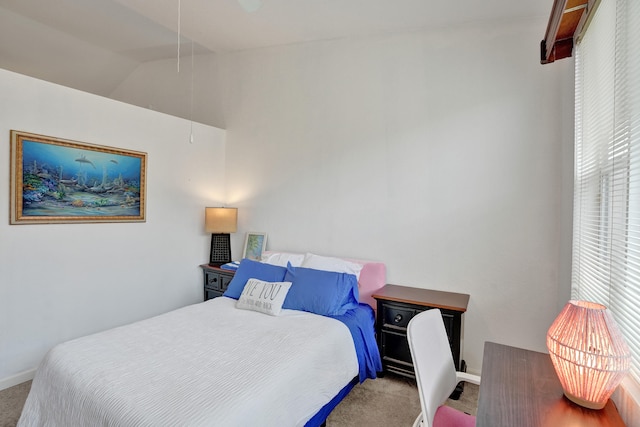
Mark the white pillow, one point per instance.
(265, 297)
(338, 265)
(282, 258)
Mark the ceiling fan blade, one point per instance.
(250, 5)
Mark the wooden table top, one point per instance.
(520, 388)
(216, 268)
(425, 297)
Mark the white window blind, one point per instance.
(606, 242)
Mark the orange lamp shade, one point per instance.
(588, 353)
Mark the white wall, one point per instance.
(191, 93)
(443, 154)
(62, 281)
(446, 154)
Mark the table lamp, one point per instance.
(220, 222)
(588, 353)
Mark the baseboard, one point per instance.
(17, 379)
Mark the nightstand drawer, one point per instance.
(211, 293)
(224, 282)
(396, 316)
(216, 281)
(396, 348)
(212, 280)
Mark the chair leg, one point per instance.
(418, 421)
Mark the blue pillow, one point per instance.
(249, 269)
(322, 292)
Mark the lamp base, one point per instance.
(220, 249)
(585, 403)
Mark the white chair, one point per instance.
(435, 371)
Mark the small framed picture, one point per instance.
(254, 245)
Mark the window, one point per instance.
(606, 242)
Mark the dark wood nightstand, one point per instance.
(216, 280)
(396, 306)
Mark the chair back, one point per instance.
(432, 361)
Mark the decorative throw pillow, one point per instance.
(250, 269)
(338, 265)
(265, 297)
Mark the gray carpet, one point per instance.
(11, 403)
(388, 401)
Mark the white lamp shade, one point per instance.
(220, 220)
(588, 353)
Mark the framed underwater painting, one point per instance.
(56, 180)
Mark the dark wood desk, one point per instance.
(520, 388)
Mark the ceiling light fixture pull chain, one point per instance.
(178, 36)
(191, 101)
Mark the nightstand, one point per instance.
(396, 306)
(216, 280)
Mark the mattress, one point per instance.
(206, 364)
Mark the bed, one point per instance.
(278, 349)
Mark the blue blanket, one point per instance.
(360, 322)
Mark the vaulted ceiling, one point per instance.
(93, 45)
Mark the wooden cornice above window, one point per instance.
(565, 23)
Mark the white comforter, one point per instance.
(207, 364)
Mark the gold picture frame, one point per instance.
(56, 180)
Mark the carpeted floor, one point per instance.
(11, 403)
(388, 401)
